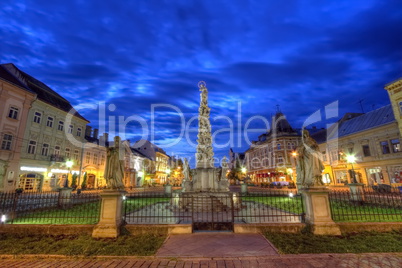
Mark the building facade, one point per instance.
(53, 135)
(15, 101)
(156, 163)
(270, 158)
(373, 139)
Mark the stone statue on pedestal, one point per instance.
(114, 169)
(309, 165)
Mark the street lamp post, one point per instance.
(352, 159)
(168, 175)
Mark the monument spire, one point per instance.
(204, 153)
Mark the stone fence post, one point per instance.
(110, 214)
(244, 188)
(64, 199)
(318, 212)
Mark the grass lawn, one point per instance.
(78, 214)
(346, 212)
(81, 245)
(365, 242)
(290, 204)
(132, 204)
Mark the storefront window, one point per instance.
(375, 176)
(341, 177)
(395, 173)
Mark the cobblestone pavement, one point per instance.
(382, 260)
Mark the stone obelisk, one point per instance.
(204, 153)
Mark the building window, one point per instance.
(400, 107)
(278, 146)
(49, 122)
(95, 160)
(61, 126)
(31, 147)
(79, 132)
(7, 141)
(289, 146)
(13, 113)
(324, 155)
(37, 117)
(385, 147)
(334, 155)
(68, 153)
(45, 149)
(88, 158)
(70, 129)
(396, 146)
(366, 150)
(57, 150)
(102, 160)
(76, 154)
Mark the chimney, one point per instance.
(88, 131)
(103, 139)
(96, 133)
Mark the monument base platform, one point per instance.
(207, 201)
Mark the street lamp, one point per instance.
(244, 171)
(352, 159)
(69, 164)
(168, 174)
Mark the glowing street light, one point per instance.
(352, 159)
(244, 170)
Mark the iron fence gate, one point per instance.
(213, 211)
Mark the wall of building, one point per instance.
(12, 131)
(47, 145)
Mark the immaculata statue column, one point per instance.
(204, 153)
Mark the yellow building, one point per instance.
(15, 102)
(157, 163)
(54, 133)
(373, 139)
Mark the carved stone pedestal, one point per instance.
(318, 213)
(110, 216)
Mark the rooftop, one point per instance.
(12, 74)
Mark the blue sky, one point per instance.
(300, 55)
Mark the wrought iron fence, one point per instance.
(367, 205)
(218, 211)
(49, 208)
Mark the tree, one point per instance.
(235, 173)
(84, 181)
(74, 181)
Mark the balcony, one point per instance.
(57, 158)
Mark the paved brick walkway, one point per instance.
(302, 261)
(214, 250)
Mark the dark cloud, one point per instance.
(253, 55)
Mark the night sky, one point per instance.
(130, 55)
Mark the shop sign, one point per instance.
(35, 169)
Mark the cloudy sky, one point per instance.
(140, 61)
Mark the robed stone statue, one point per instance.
(114, 169)
(309, 165)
